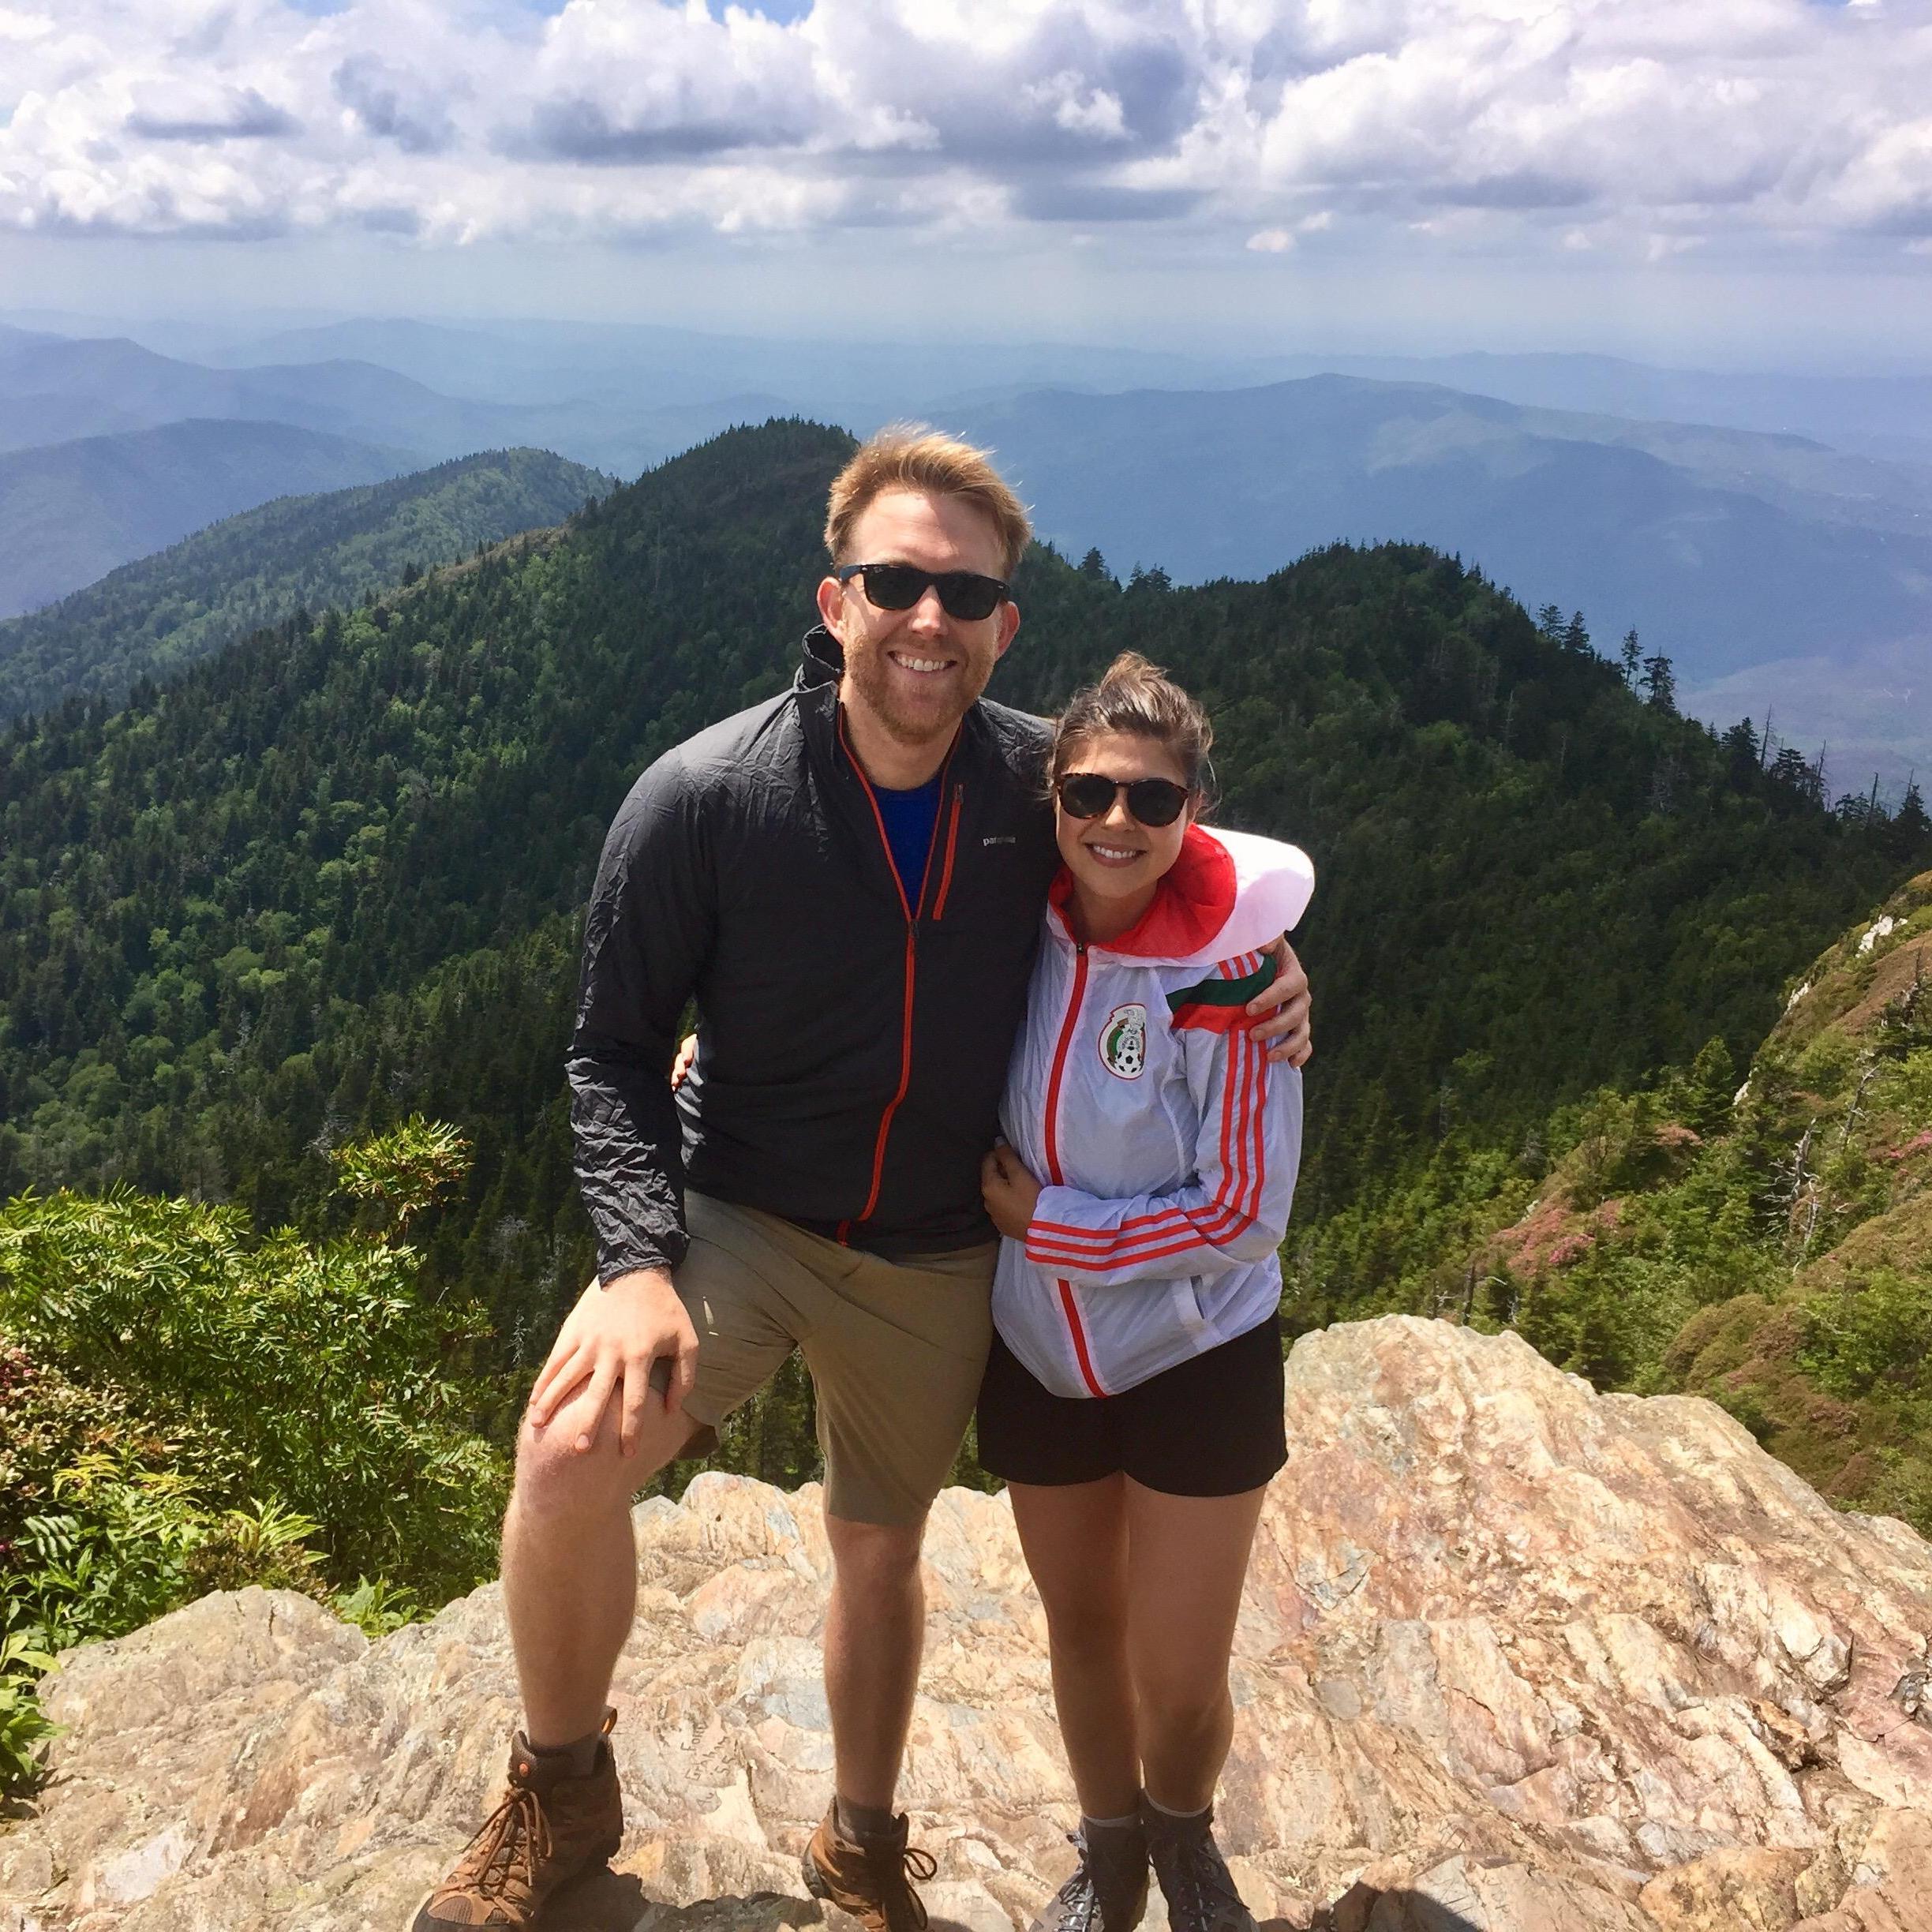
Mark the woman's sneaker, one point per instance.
(870, 1877)
(552, 1826)
(1194, 1878)
(1108, 1892)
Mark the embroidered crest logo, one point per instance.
(1123, 1042)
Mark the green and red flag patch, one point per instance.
(1217, 1005)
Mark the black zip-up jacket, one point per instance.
(851, 1048)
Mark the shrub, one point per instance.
(187, 1407)
(334, 1386)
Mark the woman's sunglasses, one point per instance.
(1154, 802)
(964, 594)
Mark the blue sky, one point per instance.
(1733, 180)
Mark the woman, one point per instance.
(1133, 1399)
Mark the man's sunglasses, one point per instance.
(1154, 802)
(964, 594)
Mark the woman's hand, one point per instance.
(687, 1059)
(1010, 1192)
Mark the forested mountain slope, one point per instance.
(1766, 1243)
(71, 512)
(299, 553)
(332, 876)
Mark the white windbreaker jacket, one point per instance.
(1165, 1143)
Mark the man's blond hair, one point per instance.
(912, 456)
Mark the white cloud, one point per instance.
(1631, 124)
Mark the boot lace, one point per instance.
(1079, 1899)
(1203, 1897)
(514, 1840)
(894, 1868)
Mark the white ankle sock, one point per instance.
(1184, 1817)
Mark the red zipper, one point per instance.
(1068, 1306)
(912, 964)
(945, 877)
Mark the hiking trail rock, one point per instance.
(1515, 1656)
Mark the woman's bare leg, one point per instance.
(1187, 1558)
(1075, 1538)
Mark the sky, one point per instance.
(1735, 182)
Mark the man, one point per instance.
(849, 881)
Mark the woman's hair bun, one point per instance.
(1135, 696)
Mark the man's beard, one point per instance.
(872, 677)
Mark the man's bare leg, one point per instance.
(569, 1560)
(874, 1634)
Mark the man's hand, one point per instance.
(1285, 1000)
(1011, 1193)
(687, 1059)
(610, 1339)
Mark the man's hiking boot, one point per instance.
(1108, 1892)
(551, 1827)
(870, 1877)
(1194, 1878)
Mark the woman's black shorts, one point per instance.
(1209, 1426)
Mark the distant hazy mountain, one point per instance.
(296, 553)
(1867, 708)
(852, 381)
(1723, 549)
(91, 387)
(70, 513)
(1879, 415)
(53, 389)
(861, 383)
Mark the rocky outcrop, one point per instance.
(1514, 1657)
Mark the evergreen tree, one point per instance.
(1576, 637)
(1093, 566)
(1631, 659)
(1789, 768)
(1742, 756)
(1659, 684)
(1910, 829)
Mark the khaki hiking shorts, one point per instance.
(895, 1349)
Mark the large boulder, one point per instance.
(1515, 1656)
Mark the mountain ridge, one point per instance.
(70, 512)
(152, 617)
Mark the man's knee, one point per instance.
(875, 1556)
(552, 1469)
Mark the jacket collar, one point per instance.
(822, 660)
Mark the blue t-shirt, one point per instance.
(909, 817)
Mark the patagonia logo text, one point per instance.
(1000, 838)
